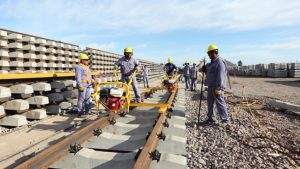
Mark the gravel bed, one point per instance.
(221, 146)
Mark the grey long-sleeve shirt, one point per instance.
(216, 74)
(127, 66)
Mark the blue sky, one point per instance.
(253, 31)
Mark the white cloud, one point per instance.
(133, 16)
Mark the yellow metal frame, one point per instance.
(125, 87)
(163, 107)
(38, 75)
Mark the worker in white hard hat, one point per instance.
(186, 74)
(84, 83)
(216, 73)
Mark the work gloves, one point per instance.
(218, 92)
(203, 69)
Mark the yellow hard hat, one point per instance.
(170, 59)
(128, 50)
(83, 56)
(212, 47)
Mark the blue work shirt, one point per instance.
(216, 74)
(186, 70)
(127, 66)
(82, 73)
(170, 67)
(193, 72)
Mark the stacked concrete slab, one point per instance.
(294, 70)
(281, 70)
(23, 53)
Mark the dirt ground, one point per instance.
(285, 89)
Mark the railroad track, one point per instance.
(142, 139)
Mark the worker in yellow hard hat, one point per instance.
(84, 84)
(170, 67)
(216, 80)
(128, 65)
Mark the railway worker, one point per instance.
(193, 75)
(186, 74)
(216, 81)
(145, 76)
(170, 67)
(84, 83)
(128, 65)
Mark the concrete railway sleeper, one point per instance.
(144, 138)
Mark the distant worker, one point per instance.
(170, 67)
(145, 76)
(216, 82)
(128, 65)
(186, 74)
(193, 76)
(84, 83)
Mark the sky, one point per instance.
(253, 31)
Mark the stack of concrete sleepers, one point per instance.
(23, 53)
(277, 70)
(294, 70)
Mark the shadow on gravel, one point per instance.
(295, 83)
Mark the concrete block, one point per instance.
(21, 89)
(3, 33)
(168, 161)
(30, 64)
(28, 39)
(14, 36)
(41, 87)
(65, 105)
(89, 158)
(15, 45)
(41, 41)
(58, 85)
(13, 121)
(129, 129)
(56, 97)
(53, 109)
(41, 49)
(51, 50)
(38, 100)
(2, 111)
(16, 54)
(4, 53)
(17, 105)
(30, 56)
(74, 102)
(42, 64)
(16, 64)
(36, 114)
(173, 145)
(3, 43)
(70, 94)
(29, 47)
(51, 43)
(52, 65)
(116, 142)
(4, 63)
(41, 57)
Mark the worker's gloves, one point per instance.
(94, 83)
(218, 92)
(203, 69)
(81, 88)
